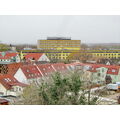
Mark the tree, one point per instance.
(30, 95)
(62, 90)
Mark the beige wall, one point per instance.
(2, 89)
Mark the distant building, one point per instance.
(27, 48)
(58, 47)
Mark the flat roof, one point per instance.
(58, 38)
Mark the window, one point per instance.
(20, 89)
(113, 70)
(99, 74)
(28, 70)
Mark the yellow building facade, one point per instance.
(107, 55)
(58, 48)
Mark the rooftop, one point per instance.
(58, 38)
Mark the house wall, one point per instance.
(17, 59)
(115, 78)
(19, 75)
(3, 89)
(102, 71)
(18, 90)
(7, 92)
(44, 58)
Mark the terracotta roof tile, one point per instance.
(35, 56)
(46, 69)
(30, 71)
(8, 55)
(59, 67)
(8, 81)
(12, 68)
(113, 70)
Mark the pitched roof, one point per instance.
(3, 101)
(59, 67)
(113, 70)
(12, 68)
(8, 81)
(35, 56)
(46, 69)
(30, 71)
(8, 55)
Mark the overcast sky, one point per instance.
(88, 29)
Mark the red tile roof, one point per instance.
(12, 68)
(8, 81)
(35, 56)
(8, 55)
(30, 71)
(95, 66)
(3, 101)
(113, 70)
(59, 67)
(46, 69)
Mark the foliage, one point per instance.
(65, 91)
(30, 95)
(62, 90)
(4, 47)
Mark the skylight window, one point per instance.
(28, 70)
(6, 79)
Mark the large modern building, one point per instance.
(59, 43)
(58, 47)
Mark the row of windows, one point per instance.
(59, 43)
(58, 54)
(16, 89)
(76, 48)
(57, 57)
(5, 60)
(105, 54)
(55, 42)
(69, 46)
